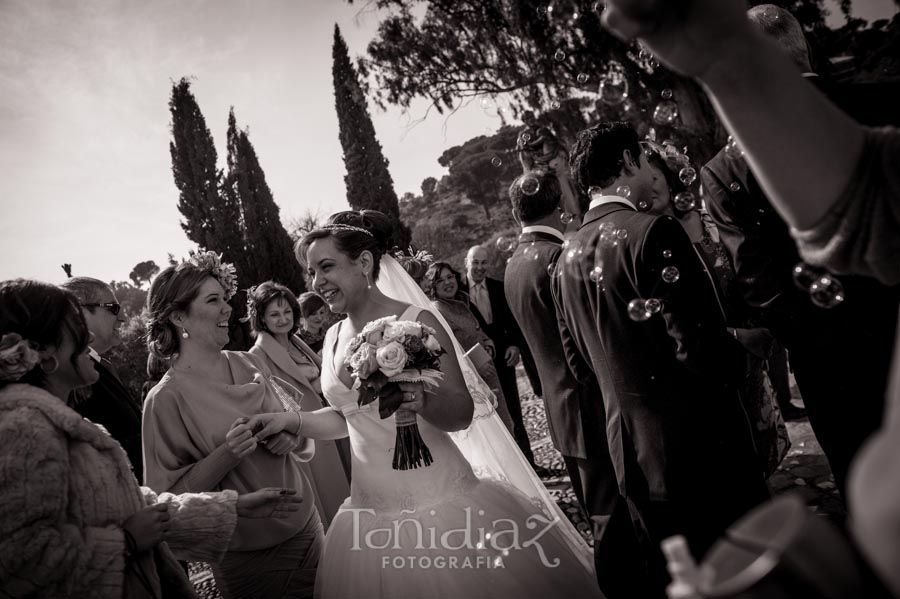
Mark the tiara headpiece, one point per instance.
(339, 227)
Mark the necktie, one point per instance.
(483, 302)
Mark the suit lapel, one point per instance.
(279, 356)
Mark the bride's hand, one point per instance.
(266, 425)
(413, 396)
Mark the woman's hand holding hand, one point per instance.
(268, 503)
(240, 439)
(282, 443)
(148, 526)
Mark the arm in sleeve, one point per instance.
(171, 461)
(577, 363)
(693, 319)
(39, 546)
(200, 525)
(861, 233)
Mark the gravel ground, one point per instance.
(804, 471)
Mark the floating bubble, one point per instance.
(667, 254)
(666, 112)
(735, 186)
(826, 292)
(653, 305)
(805, 275)
(525, 137)
(542, 11)
(666, 94)
(554, 105)
(627, 106)
(687, 175)
(582, 78)
(572, 251)
(487, 104)
(732, 149)
(596, 275)
(643, 206)
(566, 217)
(645, 55)
(554, 270)
(613, 89)
(496, 161)
(707, 245)
(623, 191)
(506, 243)
(685, 201)
(622, 234)
(530, 252)
(599, 7)
(671, 274)
(559, 55)
(637, 310)
(530, 185)
(607, 236)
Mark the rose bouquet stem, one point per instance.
(410, 450)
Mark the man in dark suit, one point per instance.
(488, 301)
(107, 402)
(679, 440)
(840, 356)
(574, 406)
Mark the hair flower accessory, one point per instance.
(674, 158)
(224, 272)
(17, 357)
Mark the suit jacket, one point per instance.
(574, 408)
(668, 382)
(503, 330)
(110, 404)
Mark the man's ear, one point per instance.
(629, 164)
(516, 217)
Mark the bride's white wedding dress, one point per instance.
(436, 531)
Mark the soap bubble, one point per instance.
(530, 185)
(826, 292)
(685, 201)
(671, 274)
(496, 161)
(506, 243)
(566, 217)
(666, 112)
(687, 175)
(637, 310)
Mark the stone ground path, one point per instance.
(804, 471)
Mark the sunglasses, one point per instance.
(113, 307)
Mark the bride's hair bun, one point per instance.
(376, 223)
(354, 232)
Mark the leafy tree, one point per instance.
(266, 244)
(130, 358)
(212, 219)
(68, 269)
(131, 297)
(143, 272)
(533, 56)
(299, 226)
(369, 183)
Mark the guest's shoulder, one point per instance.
(169, 389)
(248, 360)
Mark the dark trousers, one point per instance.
(619, 565)
(507, 376)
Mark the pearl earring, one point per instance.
(184, 333)
(368, 281)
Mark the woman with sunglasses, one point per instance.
(73, 521)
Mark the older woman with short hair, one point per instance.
(273, 313)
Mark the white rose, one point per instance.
(391, 359)
(432, 344)
(393, 330)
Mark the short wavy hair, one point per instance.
(258, 300)
(434, 271)
(596, 157)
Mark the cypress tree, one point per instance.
(265, 240)
(369, 183)
(211, 219)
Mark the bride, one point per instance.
(476, 522)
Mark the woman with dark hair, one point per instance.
(74, 522)
(314, 319)
(196, 435)
(272, 311)
(445, 290)
(419, 508)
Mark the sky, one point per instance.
(85, 171)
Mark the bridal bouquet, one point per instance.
(388, 352)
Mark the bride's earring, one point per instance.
(368, 281)
(184, 333)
